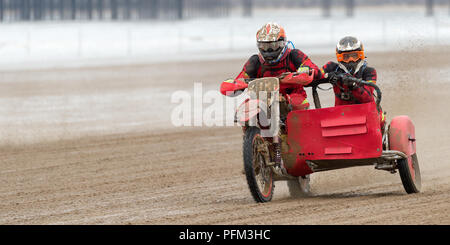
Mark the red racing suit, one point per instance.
(345, 95)
(292, 60)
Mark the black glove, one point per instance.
(346, 80)
(341, 80)
(351, 82)
(333, 77)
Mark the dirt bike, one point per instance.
(320, 139)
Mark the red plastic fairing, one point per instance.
(335, 133)
(402, 135)
(228, 87)
(299, 79)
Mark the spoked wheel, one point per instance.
(259, 175)
(410, 174)
(300, 187)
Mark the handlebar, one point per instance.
(346, 80)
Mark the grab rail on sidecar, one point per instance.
(345, 80)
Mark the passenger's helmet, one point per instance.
(271, 42)
(350, 52)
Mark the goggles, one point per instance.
(271, 46)
(350, 56)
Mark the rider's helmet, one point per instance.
(350, 53)
(271, 42)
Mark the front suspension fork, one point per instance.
(279, 165)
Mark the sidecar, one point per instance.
(348, 136)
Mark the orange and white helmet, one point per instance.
(271, 42)
(350, 53)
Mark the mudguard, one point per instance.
(402, 135)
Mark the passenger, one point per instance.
(351, 61)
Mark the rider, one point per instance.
(351, 62)
(274, 59)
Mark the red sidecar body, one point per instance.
(332, 138)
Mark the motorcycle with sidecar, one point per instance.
(320, 139)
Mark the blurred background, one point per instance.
(71, 68)
(52, 33)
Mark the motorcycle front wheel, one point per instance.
(259, 175)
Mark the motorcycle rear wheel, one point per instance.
(410, 174)
(259, 175)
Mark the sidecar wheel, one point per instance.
(299, 187)
(410, 174)
(259, 175)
